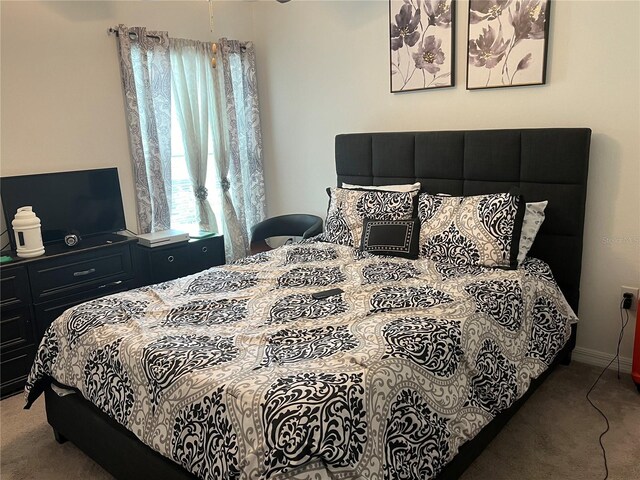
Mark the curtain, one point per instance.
(192, 86)
(240, 167)
(146, 79)
(235, 244)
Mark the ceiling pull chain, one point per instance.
(211, 15)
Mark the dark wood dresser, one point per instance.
(36, 291)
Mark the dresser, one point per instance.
(35, 291)
(17, 329)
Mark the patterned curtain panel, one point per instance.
(193, 87)
(146, 79)
(243, 181)
(235, 244)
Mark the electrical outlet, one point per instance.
(633, 291)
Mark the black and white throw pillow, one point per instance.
(398, 238)
(348, 209)
(477, 230)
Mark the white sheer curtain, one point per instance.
(229, 106)
(193, 93)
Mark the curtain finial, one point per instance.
(214, 50)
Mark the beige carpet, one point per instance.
(554, 436)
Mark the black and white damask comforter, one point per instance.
(237, 372)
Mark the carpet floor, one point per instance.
(553, 436)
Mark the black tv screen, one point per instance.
(87, 201)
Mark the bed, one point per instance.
(238, 372)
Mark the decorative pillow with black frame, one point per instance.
(398, 238)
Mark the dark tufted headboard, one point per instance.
(547, 164)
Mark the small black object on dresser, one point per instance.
(35, 291)
(160, 264)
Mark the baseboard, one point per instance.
(599, 359)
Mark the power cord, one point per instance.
(623, 324)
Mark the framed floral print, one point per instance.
(421, 34)
(507, 43)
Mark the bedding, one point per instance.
(398, 238)
(474, 230)
(531, 223)
(405, 187)
(348, 209)
(237, 372)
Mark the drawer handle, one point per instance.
(117, 282)
(84, 272)
(170, 258)
(204, 249)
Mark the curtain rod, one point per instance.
(114, 31)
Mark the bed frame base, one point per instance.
(109, 444)
(471, 450)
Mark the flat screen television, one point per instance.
(88, 202)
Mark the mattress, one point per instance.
(239, 372)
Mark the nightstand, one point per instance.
(160, 264)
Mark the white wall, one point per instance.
(61, 103)
(323, 70)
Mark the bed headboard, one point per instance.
(546, 164)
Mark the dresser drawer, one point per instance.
(14, 369)
(70, 274)
(169, 262)
(206, 253)
(14, 285)
(16, 328)
(47, 312)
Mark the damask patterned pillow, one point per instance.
(478, 230)
(348, 209)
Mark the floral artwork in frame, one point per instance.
(507, 44)
(422, 37)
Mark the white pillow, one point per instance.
(533, 218)
(389, 188)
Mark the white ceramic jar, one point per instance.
(26, 228)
